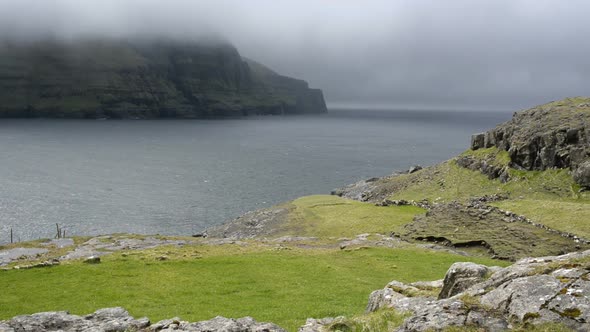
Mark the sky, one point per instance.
(410, 54)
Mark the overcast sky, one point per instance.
(464, 54)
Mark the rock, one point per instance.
(222, 324)
(253, 224)
(356, 191)
(554, 135)
(460, 277)
(92, 260)
(111, 319)
(119, 320)
(523, 296)
(477, 141)
(487, 320)
(104, 245)
(582, 174)
(59, 243)
(434, 317)
(288, 238)
(316, 325)
(552, 289)
(484, 166)
(165, 324)
(6, 328)
(414, 169)
(428, 285)
(382, 298)
(10, 255)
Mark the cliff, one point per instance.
(143, 79)
(553, 135)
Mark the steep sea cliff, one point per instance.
(97, 78)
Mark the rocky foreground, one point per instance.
(118, 319)
(532, 291)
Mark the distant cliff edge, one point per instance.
(147, 79)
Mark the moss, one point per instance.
(530, 316)
(571, 312)
(470, 301)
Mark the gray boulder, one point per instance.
(477, 141)
(432, 317)
(222, 324)
(460, 277)
(582, 174)
(316, 325)
(382, 298)
(107, 320)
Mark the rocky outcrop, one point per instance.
(553, 135)
(253, 224)
(553, 289)
(143, 79)
(484, 166)
(460, 277)
(119, 320)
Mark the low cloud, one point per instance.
(493, 54)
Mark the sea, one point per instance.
(178, 177)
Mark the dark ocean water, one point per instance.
(180, 176)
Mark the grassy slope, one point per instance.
(332, 216)
(200, 282)
(549, 197)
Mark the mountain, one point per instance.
(98, 78)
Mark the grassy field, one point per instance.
(571, 216)
(333, 216)
(198, 282)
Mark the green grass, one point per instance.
(492, 155)
(380, 321)
(448, 182)
(549, 197)
(200, 282)
(332, 216)
(570, 216)
(445, 182)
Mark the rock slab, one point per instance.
(119, 320)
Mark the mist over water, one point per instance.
(178, 177)
(464, 54)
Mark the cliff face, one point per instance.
(552, 135)
(120, 79)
